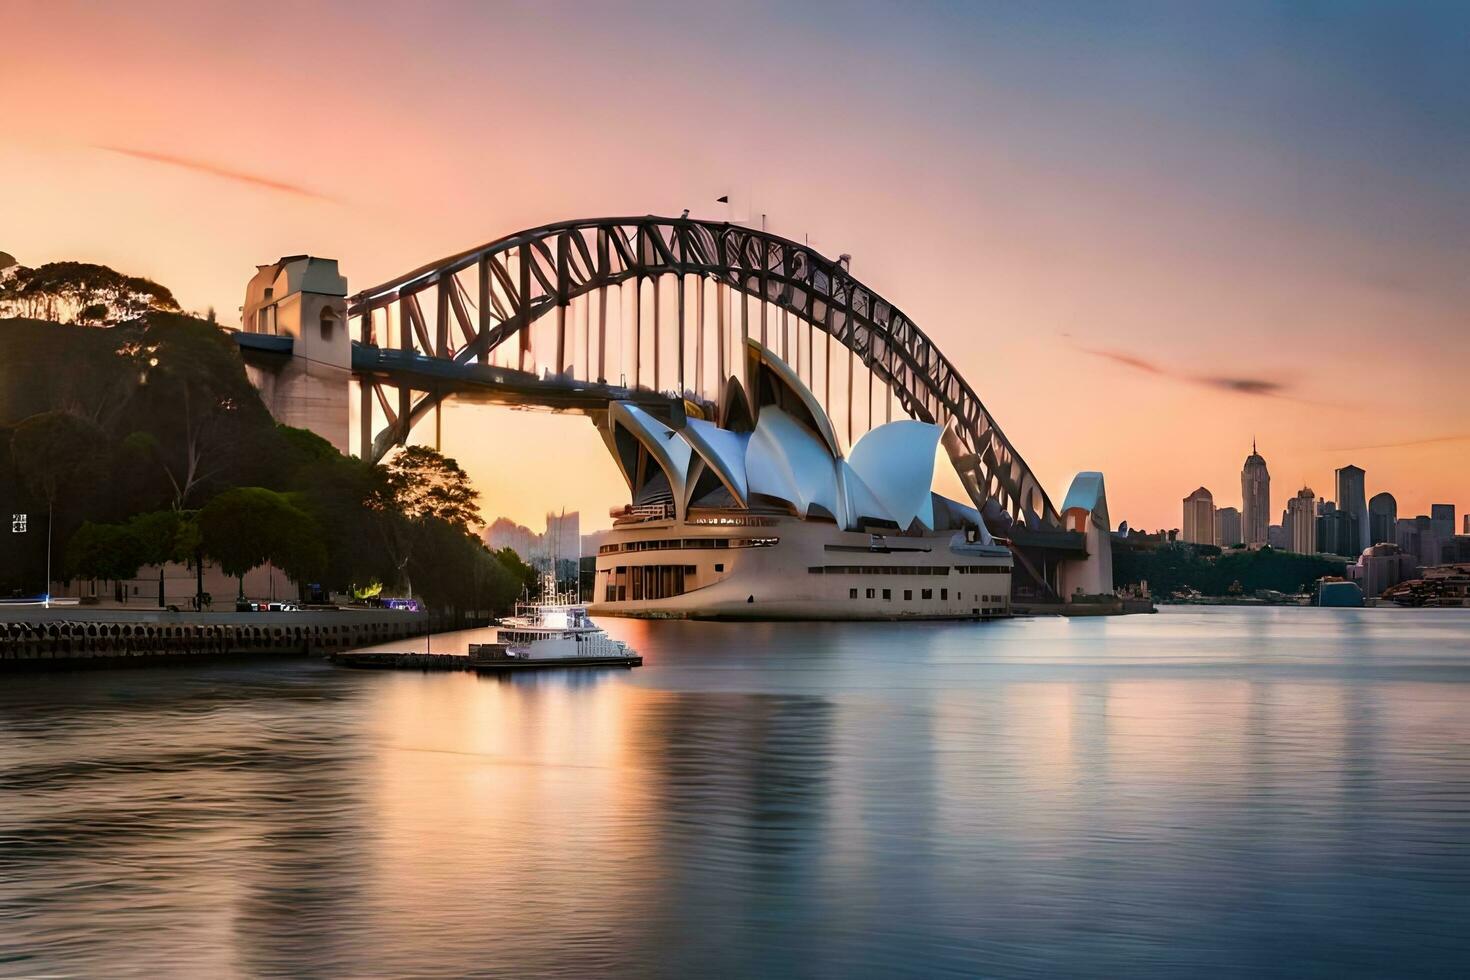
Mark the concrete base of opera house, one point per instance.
(754, 567)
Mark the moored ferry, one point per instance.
(554, 627)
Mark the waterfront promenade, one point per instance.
(34, 637)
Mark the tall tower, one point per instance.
(1302, 509)
(1383, 518)
(1352, 499)
(1255, 499)
(1227, 527)
(1442, 518)
(1199, 517)
(302, 302)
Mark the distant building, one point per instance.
(1467, 523)
(1383, 516)
(1381, 567)
(1227, 527)
(1339, 594)
(1446, 585)
(1352, 499)
(563, 538)
(1302, 510)
(1337, 532)
(1255, 497)
(1199, 517)
(1455, 551)
(1442, 517)
(1416, 536)
(592, 540)
(1276, 537)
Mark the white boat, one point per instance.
(555, 627)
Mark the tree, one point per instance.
(107, 551)
(425, 483)
(56, 453)
(522, 575)
(206, 420)
(96, 384)
(249, 526)
(420, 486)
(79, 292)
(163, 536)
(336, 491)
(455, 571)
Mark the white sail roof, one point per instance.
(723, 452)
(787, 461)
(858, 498)
(896, 461)
(795, 397)
(663, 444)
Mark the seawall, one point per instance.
(61, 638)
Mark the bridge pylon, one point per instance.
(297, 346)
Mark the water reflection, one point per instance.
(1264, 791)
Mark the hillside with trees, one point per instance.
(145, 442)
(78, 292)
(1172, 567)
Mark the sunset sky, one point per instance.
(1145, 232)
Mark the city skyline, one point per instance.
(1375, 519)
(1056, 162)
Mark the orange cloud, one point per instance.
(1243, 386)
(200, 166)
(1408, 443)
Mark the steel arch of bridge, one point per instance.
(461, 309)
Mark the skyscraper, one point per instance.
(1416, 537)
(1227, 527)
(1255, 499)
(1199, 517)
(1383, 517)
(1337, 532)
(1302, 509)
(1351, 498)
(1442, 517)
(563, 538)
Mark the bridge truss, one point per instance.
(662, 303)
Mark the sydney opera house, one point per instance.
(762, 515)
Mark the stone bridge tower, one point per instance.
(302, 300)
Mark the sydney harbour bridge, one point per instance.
(575, 315)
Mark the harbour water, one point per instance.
(1215, 791)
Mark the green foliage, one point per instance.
(79, 292)
(208, 423)
(1172, 567)
(455, 571)
(524, 575)
(341, 493)
(249, 526)
(164, 536)
(110, 551)
(423, 483)
(56, 452)
(154, 445)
